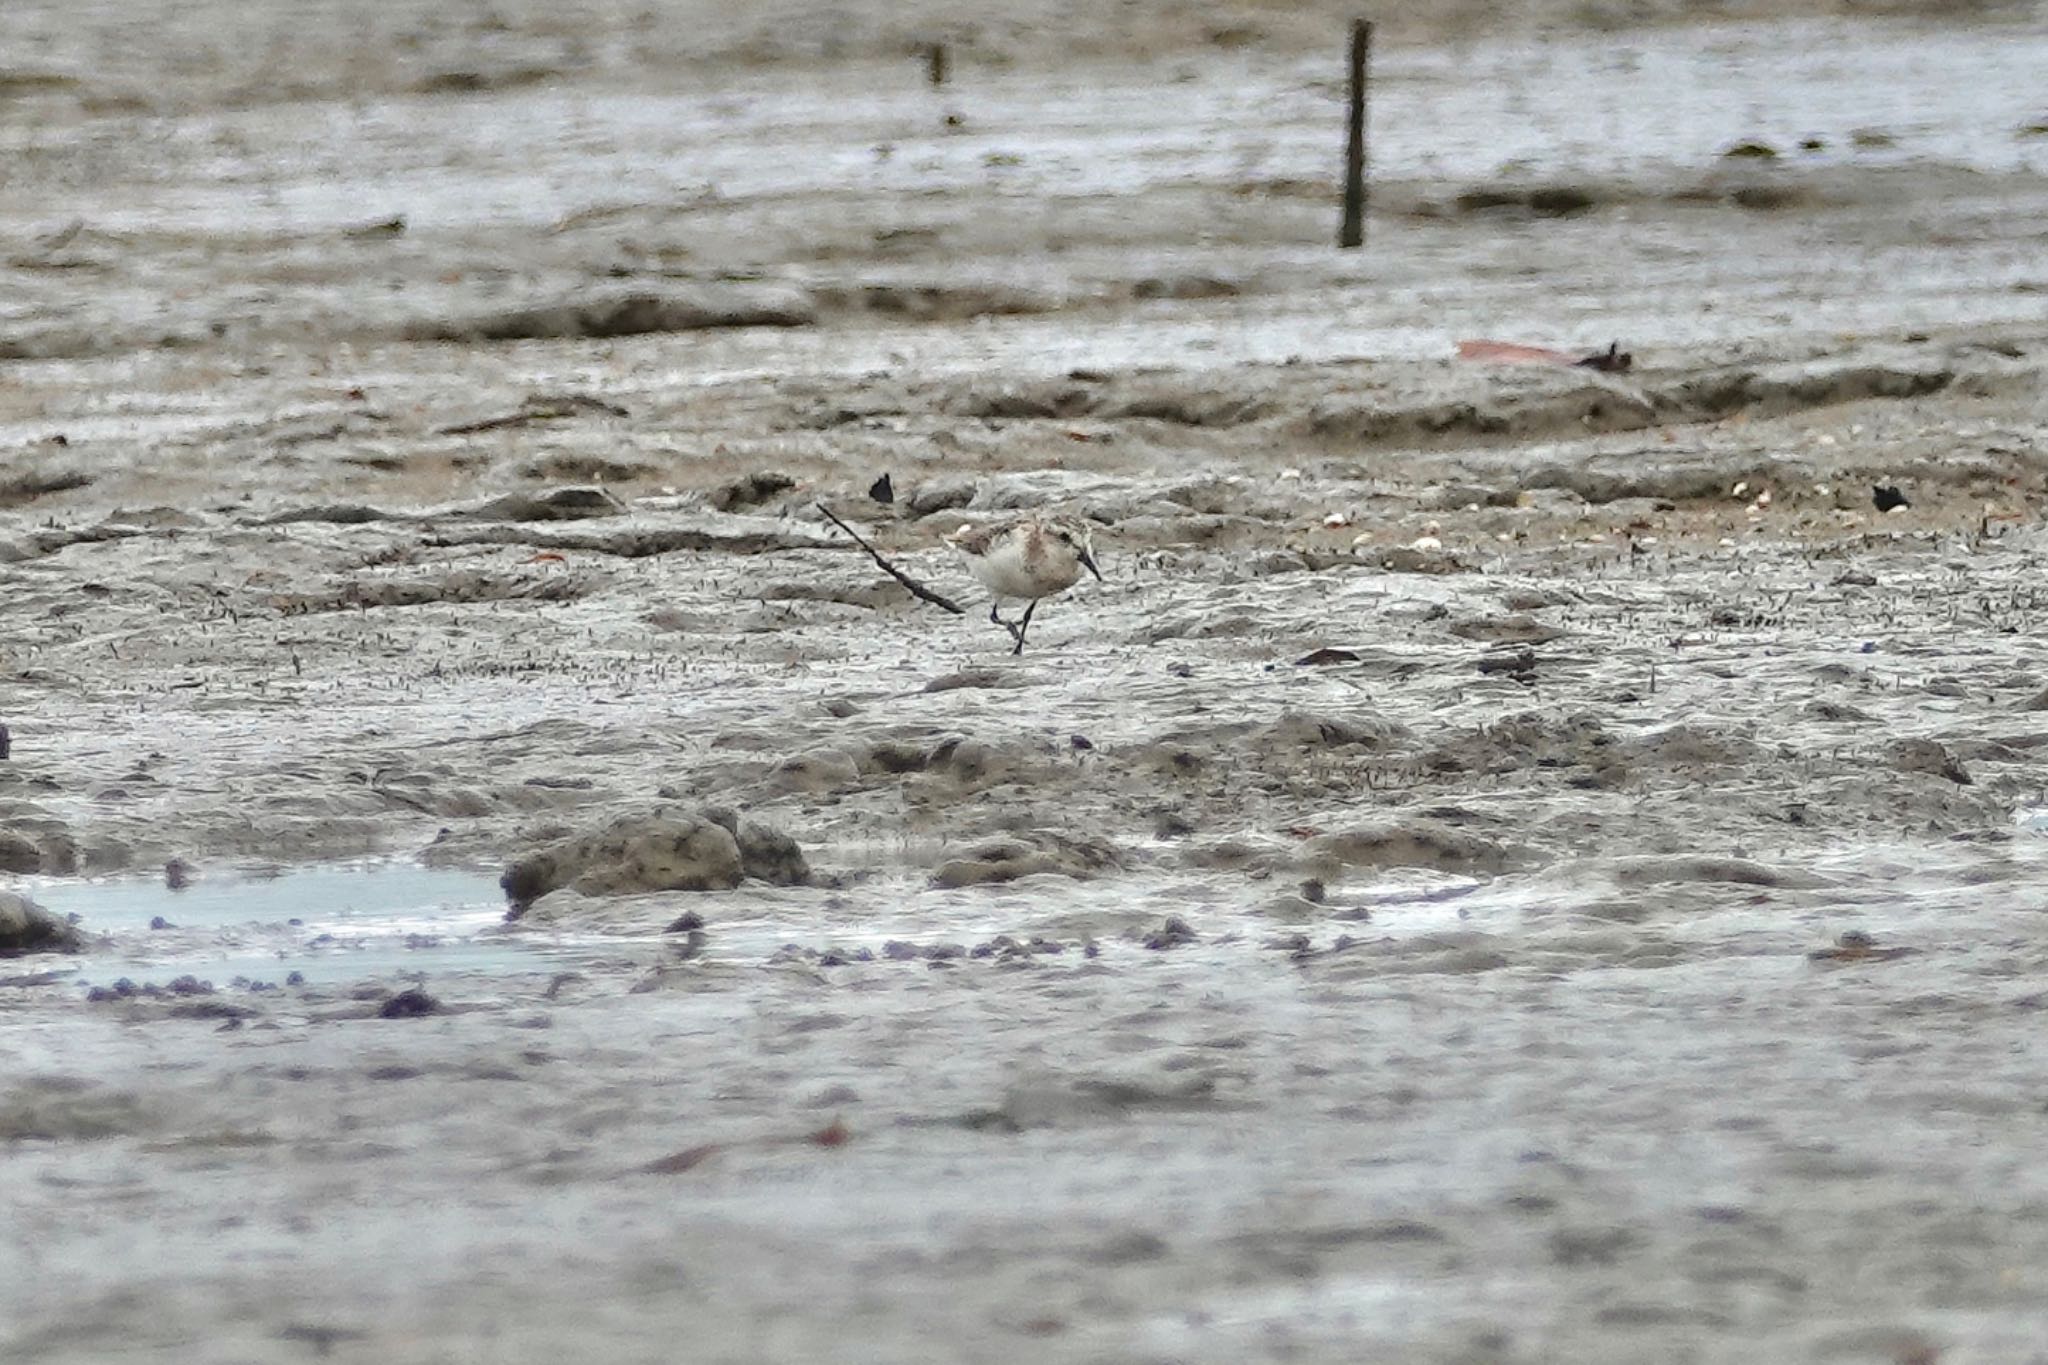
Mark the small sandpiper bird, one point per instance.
(1030, 558)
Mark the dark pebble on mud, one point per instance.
(295, 979)
(177, 875)
(882, 490)
(1171, 824)
(1885, 497)
(1171, 934)
(6, 742)
(409, 1003)
(159, 922)
(685, 922)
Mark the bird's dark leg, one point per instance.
(1016, 628)
(1023, 625)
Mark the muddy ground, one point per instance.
(1514, 863)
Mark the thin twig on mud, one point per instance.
(917, 589)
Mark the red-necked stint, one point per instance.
(1028, 559)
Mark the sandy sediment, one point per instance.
(1515, 863)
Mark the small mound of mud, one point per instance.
(1061, 853)
(1658, 474)
(334, 514)
(1543, 201)
(1530, 739)
(1408, 841)
(749, 490)
(937, 301)
(586, 468)
(26, 927)
(712, 850)
(458, 585)
(1310, 730)
(714, 533)
(1657, 871)
(816, 771)
(1455, 953)
(36, 842)
(634, 313)
(482, 81)
(1929, 756)
(30, 484)
(1535, 403)
(67, 1109)
(556, 504)
(538, 407)
(39, 544)
(1518, 629)
(880, 595)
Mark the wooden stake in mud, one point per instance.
(1352, 234)
(935, 63)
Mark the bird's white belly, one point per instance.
(1006, 572)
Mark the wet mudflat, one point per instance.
(1515, 863)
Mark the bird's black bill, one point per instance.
(1089, 561)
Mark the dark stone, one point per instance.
(409, 1003)
(1171, 934)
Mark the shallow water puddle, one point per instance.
(352, 920)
